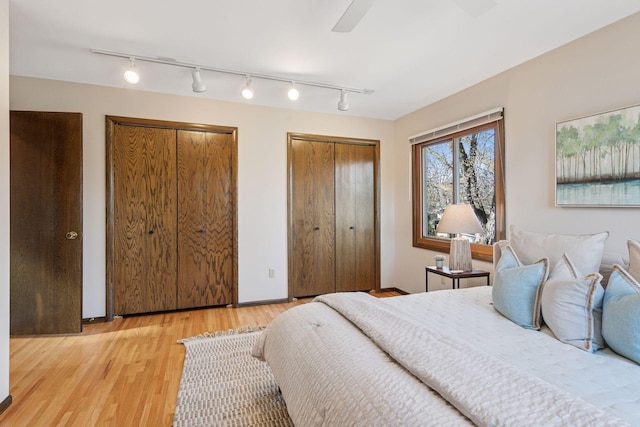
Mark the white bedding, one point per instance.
(331, 374)
(605, 379)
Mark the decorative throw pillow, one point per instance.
(634, 258)
(585, 250)
(516, 289)
(621, 314)
(607, 263)
(572, 306)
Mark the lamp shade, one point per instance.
(459, 219)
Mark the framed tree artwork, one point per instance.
(598, 159)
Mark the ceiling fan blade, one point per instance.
(354, 13)
(475, 8)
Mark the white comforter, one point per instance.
(453, 342)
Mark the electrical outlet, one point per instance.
(272, 273)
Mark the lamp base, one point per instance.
(460, 254)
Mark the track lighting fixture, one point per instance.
(132, 77)
(197, 85)
(293, 93)
(343, 105)
(247, 90)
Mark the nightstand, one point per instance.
(454, 275)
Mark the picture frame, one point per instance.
(597, 160)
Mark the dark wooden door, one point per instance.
(355, 217)
(312, 216)
(46, 223)
(144, 192)
(205, 219)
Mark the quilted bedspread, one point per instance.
(352, 359)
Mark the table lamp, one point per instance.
(458, 219)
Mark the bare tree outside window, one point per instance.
(437, 186)
(459, 168)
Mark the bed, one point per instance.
(439, 358)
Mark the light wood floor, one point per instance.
(120, 373)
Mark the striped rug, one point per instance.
(223, 385)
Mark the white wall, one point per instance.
(262, 189)
(4, 199)
(596, 73)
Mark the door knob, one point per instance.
(71, 235)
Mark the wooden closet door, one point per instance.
(144, 192)
(312, 251)
(355, 218)
(205, 219)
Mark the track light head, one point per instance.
(197, 85)
(247, 90)
(343, 105)
(131, 76)
(293, 93)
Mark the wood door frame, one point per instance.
(292, 136)
(111, 122)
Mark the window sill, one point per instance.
(479, 252)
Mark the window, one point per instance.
(460, 163)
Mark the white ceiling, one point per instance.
(410, 52)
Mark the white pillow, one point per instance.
(572, 306)
(585, 250)
(609, 259)
(634, 258)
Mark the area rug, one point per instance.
(223, 385)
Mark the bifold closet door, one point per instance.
(312, 210)
(355, 217)
(205, 219)
(144, 191)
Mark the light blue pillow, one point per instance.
(621, 314)
(517, 289)
(572, 306)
